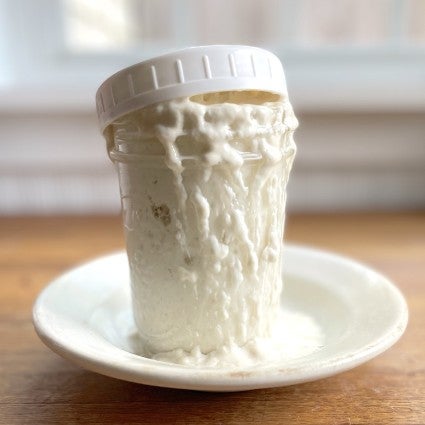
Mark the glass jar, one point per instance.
(203, 189)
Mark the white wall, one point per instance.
(360, 161)
(56, 162)
(355, 72)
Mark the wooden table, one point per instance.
(38, 387)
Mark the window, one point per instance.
(98, 25)
(357, 46)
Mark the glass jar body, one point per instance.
(204, 238)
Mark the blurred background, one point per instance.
(355, 71)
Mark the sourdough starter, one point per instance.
(203, 187)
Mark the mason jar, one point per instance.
(202, 140)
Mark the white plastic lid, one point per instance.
(187, 72)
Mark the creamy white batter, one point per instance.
(203, 184)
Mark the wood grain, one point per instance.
(38, 387)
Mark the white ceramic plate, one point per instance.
(85, 316)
